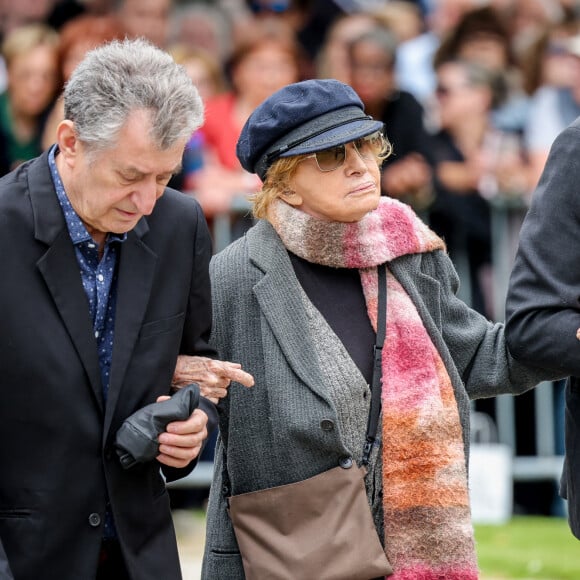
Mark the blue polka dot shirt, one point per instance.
(99, 277)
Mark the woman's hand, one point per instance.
(212, 376)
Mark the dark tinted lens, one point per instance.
(330, 159)
(368, 146)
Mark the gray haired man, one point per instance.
(105, 283)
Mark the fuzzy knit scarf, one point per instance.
(428, 530)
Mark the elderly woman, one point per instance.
(296, 303)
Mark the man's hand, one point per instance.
(212, 376)
(182, 440)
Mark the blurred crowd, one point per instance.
(472, 93)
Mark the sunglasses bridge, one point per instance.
(334, 157)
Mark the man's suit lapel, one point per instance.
(59, 268)
(135, 278)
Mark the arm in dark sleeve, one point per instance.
(197, 326)
(543, 301)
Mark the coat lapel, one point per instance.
(59, 268)
(61, 274)
(280, 298)
(135, 278)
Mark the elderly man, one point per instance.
(105, 283)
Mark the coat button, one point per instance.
(345, 462)
(327, 425)
(95, 520)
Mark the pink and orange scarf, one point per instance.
(428, 530)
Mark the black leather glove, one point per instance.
(136, 440)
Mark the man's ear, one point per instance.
(68, 143)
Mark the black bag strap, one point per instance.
(375, 410)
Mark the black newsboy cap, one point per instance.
(300, 118)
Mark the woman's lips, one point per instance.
(364, 187)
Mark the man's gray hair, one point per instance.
(120, 77)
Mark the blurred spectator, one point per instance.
(77, 37)
(333, 61)
(203, 68)
(414, 70)
(403, 17)
(310, 21)
(474, 161)
(483, 36)
(555, 103)
(207, 75)
(18, 13)
(406, 174)
(291, 11)
(31, 57)
(547, 60)
(147, 18)
(292, 17)
(64, 11)
(528, 19)
(202, 26)
(318, 18)
(258, 67)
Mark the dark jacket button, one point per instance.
(327, 425)
(345, 462)
(95, 520)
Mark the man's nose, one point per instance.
(146, 197)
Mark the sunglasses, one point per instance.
(445, 91)
(333, 158)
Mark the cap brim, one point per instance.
(322, 132)
(336, 136)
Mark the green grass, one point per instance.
(528, 547)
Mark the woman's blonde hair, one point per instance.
(26, 38)
(280, 174)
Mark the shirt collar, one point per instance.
(76, 228)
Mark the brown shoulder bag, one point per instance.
(320, 528)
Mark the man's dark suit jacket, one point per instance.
(56, 455)
(543, 303)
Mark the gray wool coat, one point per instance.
(277, 431)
